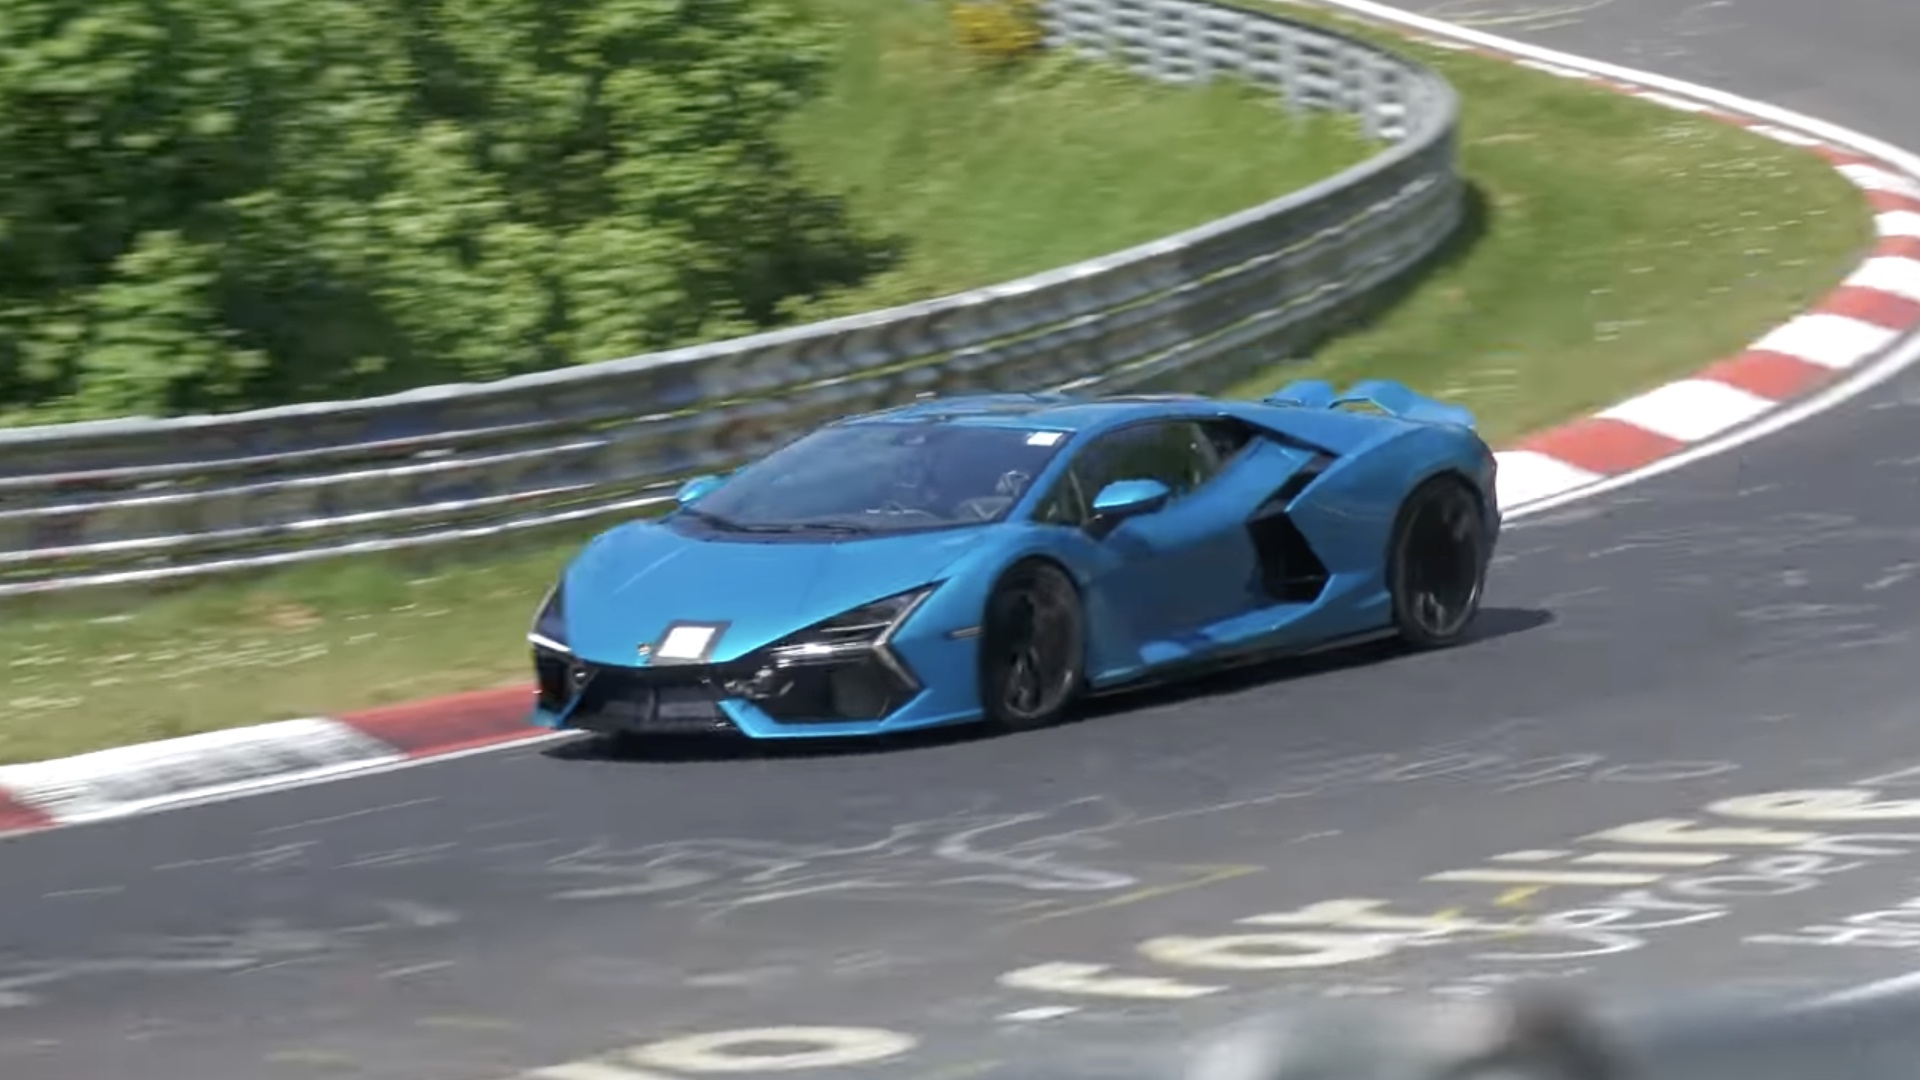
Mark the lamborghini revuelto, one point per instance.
(993, 557)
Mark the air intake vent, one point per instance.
(1298, 482)
(1290, 571)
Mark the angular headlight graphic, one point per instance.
(557, 675)
(839, 669)
(549, 630)
(850, 633)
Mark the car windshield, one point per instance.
(882, 477)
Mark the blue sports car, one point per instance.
(993, 557)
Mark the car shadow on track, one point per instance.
(1493, 623)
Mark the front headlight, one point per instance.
(851, 632)
(549, 630)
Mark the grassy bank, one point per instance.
(1614, 245)
(982, 174)
(990, 174)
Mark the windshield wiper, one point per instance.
(783, 528)
(715, 520)
(824, 528)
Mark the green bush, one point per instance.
(210, 204)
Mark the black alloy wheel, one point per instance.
(1438, 562)
(1032, 648)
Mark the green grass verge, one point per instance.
(1614, 244)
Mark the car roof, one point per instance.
(1044, 411)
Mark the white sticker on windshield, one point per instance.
(1045, 438)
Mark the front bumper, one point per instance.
(858, 696)
(613, 700)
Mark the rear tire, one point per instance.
(1437, 562)
(1032, 648)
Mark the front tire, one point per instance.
(1437, 562)
(1032, 648)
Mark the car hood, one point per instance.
(633, 582)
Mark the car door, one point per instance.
(1170, 574)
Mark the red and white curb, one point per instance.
(1872, 311)
(1859, 333)
(218, 765)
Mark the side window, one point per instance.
(1229, 437)
(1065, 504)
(1180, 454)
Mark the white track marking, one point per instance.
(1898, 223)
(1874, 178)
(1898, 276)
(1897, 986)
(1831, 341)
(1527, 476)
(1040, 1012)
(1689, 410)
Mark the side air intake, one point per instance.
(1298, 482)
(1290, 571)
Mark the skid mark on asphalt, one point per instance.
(1069, 861)
(351, 815)
(1655, 39)
(416, 969)
(78, 894)
(1207, 876)
(1511, 16)
(468, 1023)
(262, 945)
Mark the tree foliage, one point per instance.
(207, 204)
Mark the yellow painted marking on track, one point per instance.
(1545, 877)
(1211, 876)
(1517, 896)
(1509, 930)
(959, 1071)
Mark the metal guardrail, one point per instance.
(134, 500)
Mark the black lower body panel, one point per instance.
(653, 702)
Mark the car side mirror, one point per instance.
(697, 488)
(1125, 499)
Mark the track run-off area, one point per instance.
(1682, 755)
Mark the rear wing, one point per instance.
(1394, 399)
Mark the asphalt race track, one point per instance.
(1742, 626)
